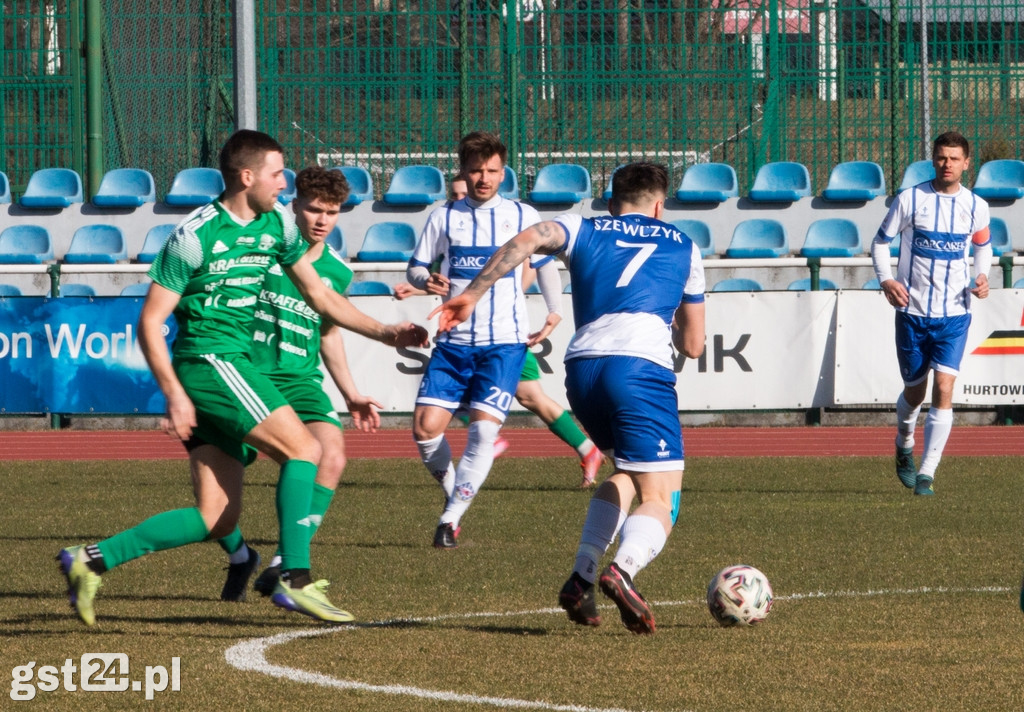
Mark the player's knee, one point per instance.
(332, 465)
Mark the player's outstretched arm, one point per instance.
(159, 305)
(363, 409)
(341, 312)
(546, 237)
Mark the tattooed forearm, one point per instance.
(542, 237)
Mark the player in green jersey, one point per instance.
(209, 275)
(288, 342)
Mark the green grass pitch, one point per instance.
(884, 601)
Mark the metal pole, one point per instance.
(244, 34)
(75, 68)
(463, 67)
(894, 89)
(94, 94)
(926, 111)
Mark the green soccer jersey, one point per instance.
(218, 266)
(286, 338)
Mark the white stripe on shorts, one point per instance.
(239, 387)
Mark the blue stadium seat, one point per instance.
(917, 172)
(1019, 284)
(758, 238)
(52, 188)
(193, 187)
(96, 244)
(1000, 180)
(416, 185)
(288, 194)
(387, 242)
(139, 289)
(781, 182)
(336, 239)
(155, 238)
(75, 290)
(1001, 243)
(697, 231)
(561, 183)
(5, 188)
(25, 244)
(534, 288)
(369, 288)
(804, 285)
(855, 181)
(360, 184)
(708, 183)
(125, 188)
(831, 237)
(509, 188)
(9, 290)
(567, 289)
(894, 247)
(872, 284)
(737, 284)
(607, 194)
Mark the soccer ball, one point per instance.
(739, 595)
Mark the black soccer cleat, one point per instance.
(266, 582)
(238, 577)
(577, 598)
(636, 614)
(446, 536)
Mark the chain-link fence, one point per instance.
(383, 83)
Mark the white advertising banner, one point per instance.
(992, 372)
(764, 351)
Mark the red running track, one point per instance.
(527, 442)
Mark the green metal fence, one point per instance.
(383, 83)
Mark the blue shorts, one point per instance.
(628, 404)
(485, 377)
(924, 343)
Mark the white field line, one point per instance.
(250, 655)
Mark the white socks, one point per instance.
(474, 466)
(436, 455)
(603, 522)
(937, 425)
(643, 538)
(906, 422)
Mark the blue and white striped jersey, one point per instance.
(629, 274)
(936, 231)
(464, 236)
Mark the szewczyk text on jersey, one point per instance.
(629, 274)
(465, 236)
(218, 265)
(286, 335)
(936, 231)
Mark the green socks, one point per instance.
(294, 499)
(232, 542)
(318, 509)
(167, 530)
(566, 429)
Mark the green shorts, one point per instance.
(231, 397)
(310, 402)
(531, 369)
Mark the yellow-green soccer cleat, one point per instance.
(83, 582)
(310, 600)
(924, 486)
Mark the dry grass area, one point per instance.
(884, 601)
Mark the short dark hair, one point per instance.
(951, 139)
(245, 149)
(317, 182)
(481, 145)
(637, 183)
